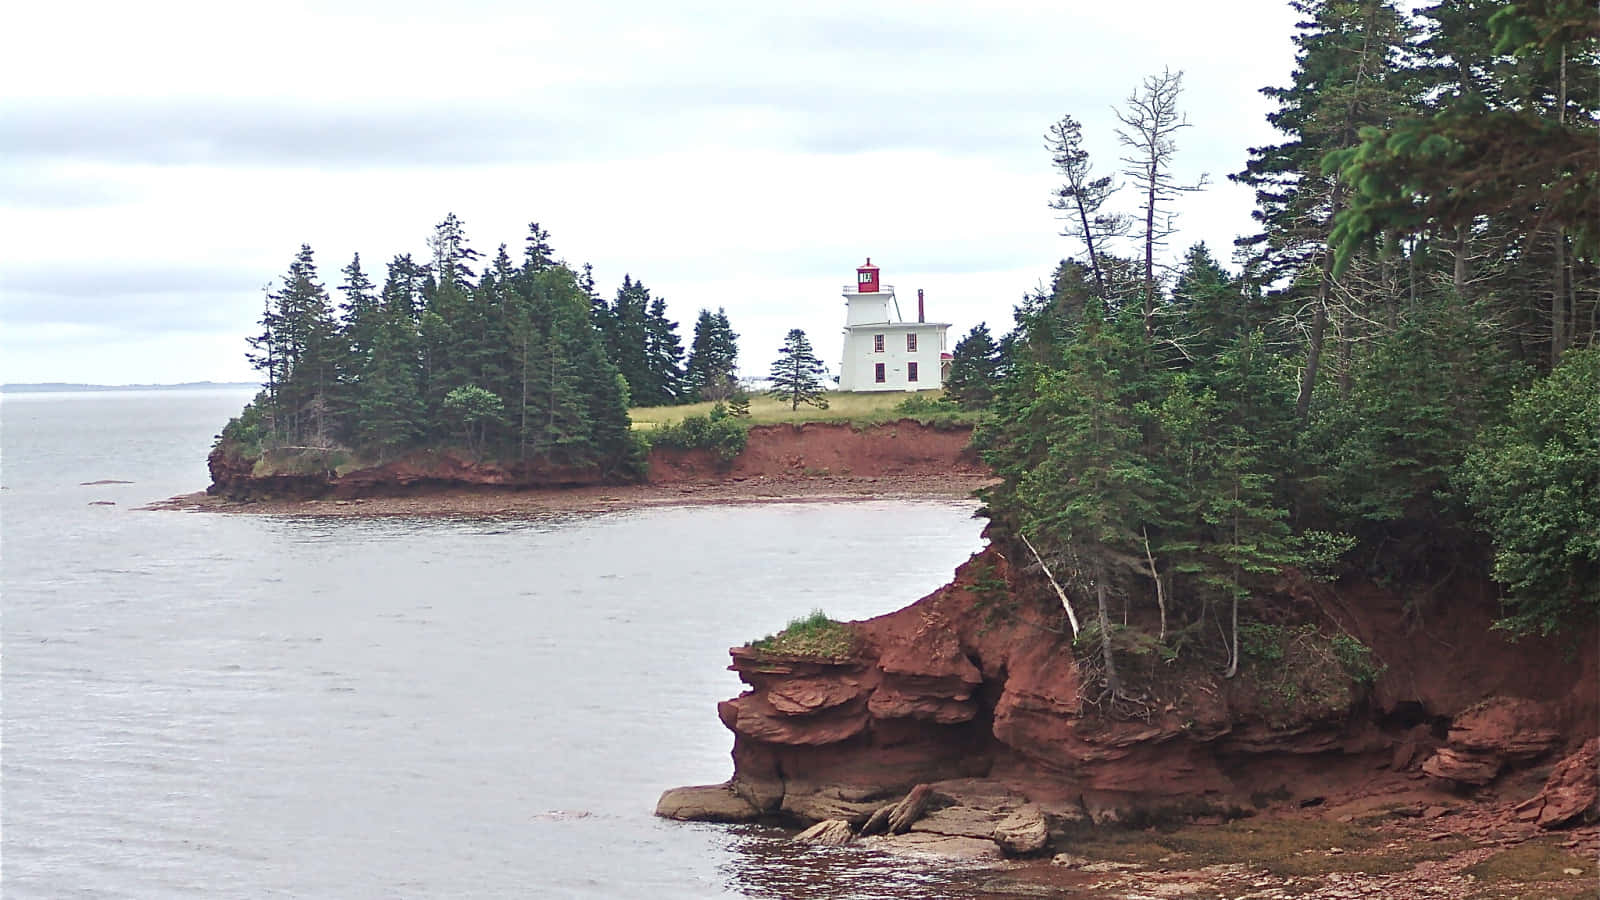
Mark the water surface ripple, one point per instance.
(237, 706)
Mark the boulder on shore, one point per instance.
(1571, 794)
(832, 833)
(926, 845)
(706, 803)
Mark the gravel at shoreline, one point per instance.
(490, 501)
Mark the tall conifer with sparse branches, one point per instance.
(796, 375)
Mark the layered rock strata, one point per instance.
(972, 686)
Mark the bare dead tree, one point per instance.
(1151, 122)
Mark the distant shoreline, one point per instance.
(63, 387)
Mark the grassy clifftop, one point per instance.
(863, 409)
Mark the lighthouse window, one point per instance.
(877, 373)
(911, 371)
(864, 277)
(877, 343)
(911, 344)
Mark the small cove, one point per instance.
(203, 705)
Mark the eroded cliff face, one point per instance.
(899, 448)
(955, 687)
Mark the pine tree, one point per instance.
(797, 373)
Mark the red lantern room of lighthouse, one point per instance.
(867, 278)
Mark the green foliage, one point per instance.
(723, 434)
(713, 359)
(924, 404)
(974, 369)
(1356, 658)
(797, 373)
(507, 359)
(1534, 485)
(1420, 394)
(1322, 553)
(815, 636)
(1262, 643)
(642, 343)
(245, 432)
(472, 409)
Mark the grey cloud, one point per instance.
(610, 122)
(214, 132)
(131, 298)
(860, 36)
(41, 190)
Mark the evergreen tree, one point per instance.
(453, 255)
(624, 326)
(1346, 78)
(797, 373)
(713, 358)
(362, 315)
(306, 354)
(1070, 455)
(974, 369)
(1081, 197)
(388, 409)
(537, 254)
(663, 352)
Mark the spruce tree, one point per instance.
(974, 369)
(796, 375)
(663, 351)
(713, 358)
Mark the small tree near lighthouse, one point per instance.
(797, 374)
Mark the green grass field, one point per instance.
(765, 410)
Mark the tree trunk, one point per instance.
(1308, 375)
(1088, 242)
(1112, 681)
(1150, 257)
(1558, 301)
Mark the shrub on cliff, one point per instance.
(1534, 484)
(815, 636)
(724, 435)
(243, 434)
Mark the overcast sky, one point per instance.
(164, 161)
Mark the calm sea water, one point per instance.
(205, 705)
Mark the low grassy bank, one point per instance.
(861, 409)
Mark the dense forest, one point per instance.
(1395, 376)
(1398, 379)
(523, 362)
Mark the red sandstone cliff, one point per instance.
(946, 689)
(906, 447)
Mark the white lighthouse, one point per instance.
(882, 351)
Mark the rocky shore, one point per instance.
(964, 726)
(815, 461)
